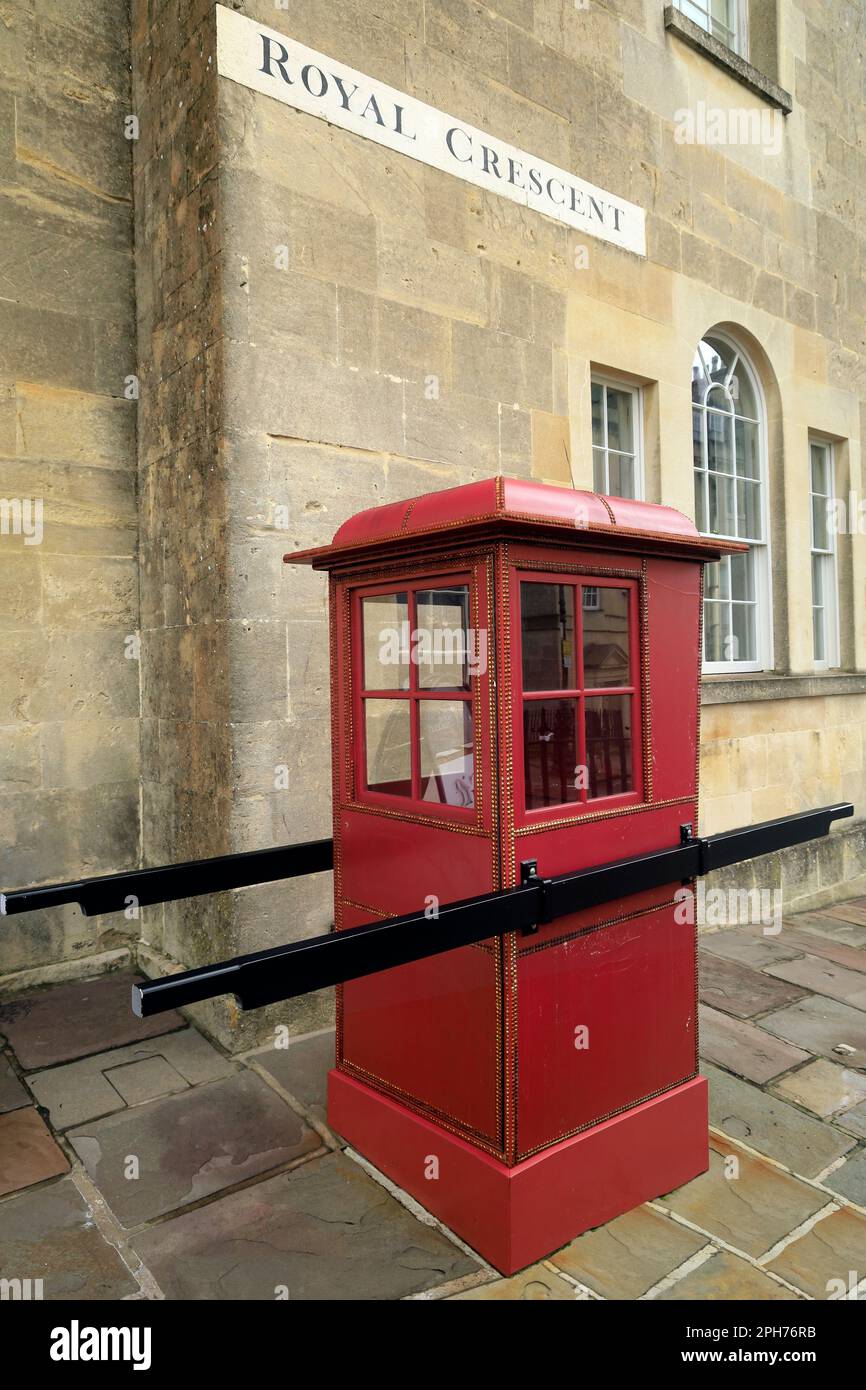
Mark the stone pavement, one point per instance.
(138, 1160)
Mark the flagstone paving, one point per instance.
(55, 1025)
(50, 1235)
(139, 1160)
(12, 1094)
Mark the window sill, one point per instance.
(728, 690)
(724, 57)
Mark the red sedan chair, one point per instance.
(515, 682)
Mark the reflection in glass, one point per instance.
(620, 421)
(608, 744)
(388, 745)
(606, 638)
(621, 479)
(386, 642)
(597, 415)
(442, 638)
(549, 752)
(446, 752)
(715, 623)
(743, 621)
(547, 628)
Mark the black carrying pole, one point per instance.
(169, 882)
(302, 966)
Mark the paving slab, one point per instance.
(723, 1277)
(810, 943)
(850, 1180)
(50, 1235)
(771, 1126)
(749, 1203)
(12, 1094)
(743, 1047)
(820, 976)
(323, 1231)
(749, 945)
(828, 1252)
(94, 1086)
(72, 1020)
(823, 1087)
(824, 924)
(853, 912)
(853, 1121)
(191, 1145)
(529, 1286)
(138, 1082)
(625, 1258)
(28, 1153)
(302, 1070)
(822, 1025)
(739, 990)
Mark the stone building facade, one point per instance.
(323, 323)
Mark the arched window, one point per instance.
(728, 430)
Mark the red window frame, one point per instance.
(584, 803)
(415, 694)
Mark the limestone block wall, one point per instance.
(69, 689)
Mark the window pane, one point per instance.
(717, 582)
(715, 628)
(621, 475)
(820, 470)
(549, 752)
(721, 495)
(817, 580)
(547, 629)
(620, 420)
(446, 752)
(696, 12)
(389, 759)
(606, 639)
(386, 642)
(697, 438)
(820, 527)
(608, 744)
(597, 414)
(700, 508)
(748, 511)
(819, 645)
(719, 358)
(720, 452)
(743, 576)
(743, 392)
(599, 481)
(442, 638)
(747, 449)
(742, 646)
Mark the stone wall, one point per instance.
(69, 683)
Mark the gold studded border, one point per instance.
(609, 1115)
(594, 816)
(426, 1112)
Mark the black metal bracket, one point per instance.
(529, 874)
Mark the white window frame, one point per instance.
(739, 40)
(828, 559)
(762, 551)
(614, 383)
